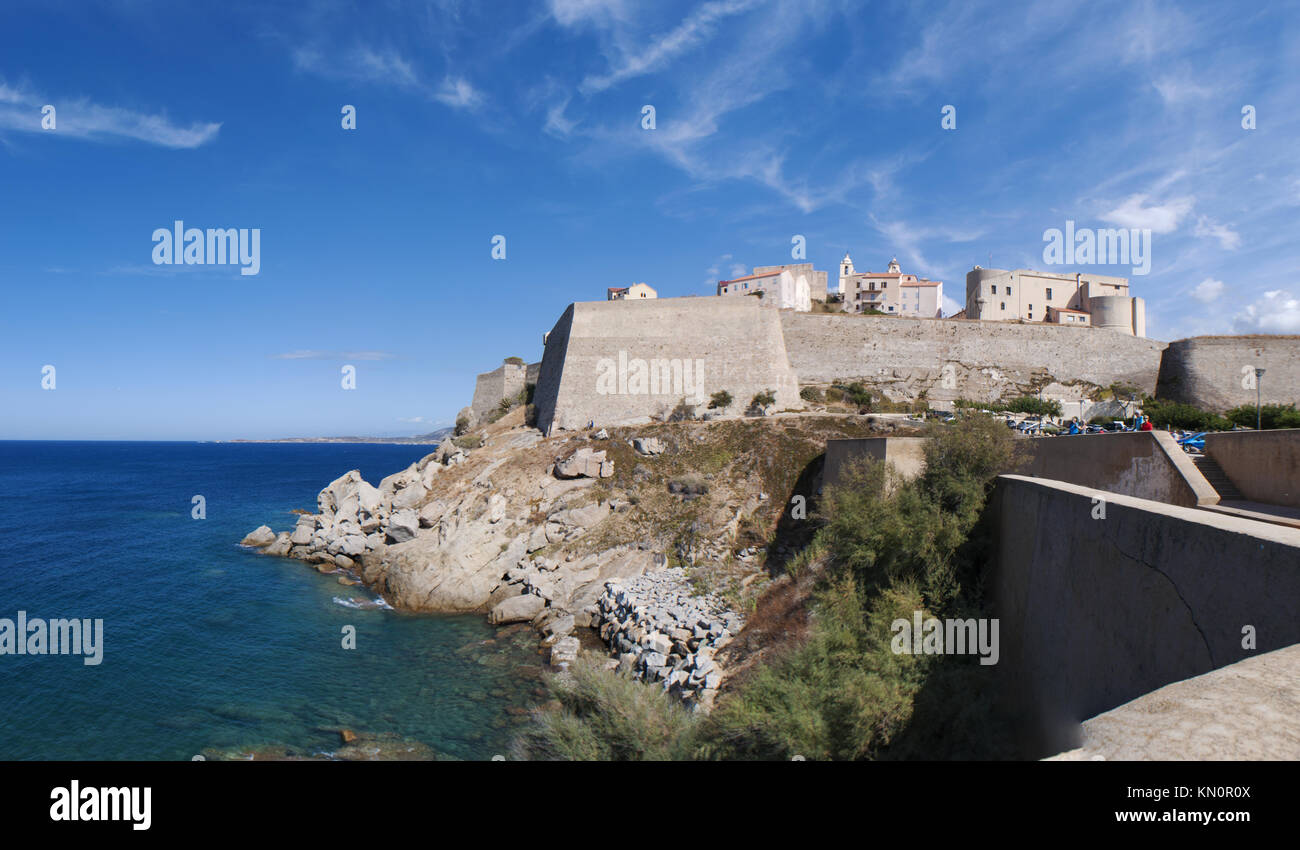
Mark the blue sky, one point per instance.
(773, 119)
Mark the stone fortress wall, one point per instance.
(1217, 372)
(978, 360)
(624, 362)
(503, 382)
(744, 349)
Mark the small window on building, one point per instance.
(995, 289)
(1004, 305)
(1049, 295)
(1008, 290)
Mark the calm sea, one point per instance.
(208, 646)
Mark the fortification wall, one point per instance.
(1217, 372)
(503, 382)
(620, 362)
(1096, 612)
(950, 359)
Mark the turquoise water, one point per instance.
(209, 646)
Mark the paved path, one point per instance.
(1249, 710)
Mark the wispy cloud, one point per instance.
(457, 92)
(81, 118)
(1228, 238)
(385, 67)
(694, 29)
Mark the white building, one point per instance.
(778, 287)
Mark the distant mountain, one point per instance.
(431, 437)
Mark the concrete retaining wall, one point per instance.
(1096, 612)
(1145, 464)
(951, 359)
(1217, 372)
(1265, 465)
(905, 454)
(620, 362)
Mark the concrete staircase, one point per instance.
(1214, 474)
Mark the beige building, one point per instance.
(1076, 298)
(891, 292)
(625, 293)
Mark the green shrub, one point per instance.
(469, 441)
(891, 548)
(720, 400)
(834, 395)
(1033, 406)
(766, 398)
(1270, 416)
(462, 425)
(605, 716)
(1171, 414)
(812, 394)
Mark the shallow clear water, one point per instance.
(208, 645)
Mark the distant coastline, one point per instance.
(431, 439)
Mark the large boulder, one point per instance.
(369, 498)
(584, 463)
(648, 445)
(410, 496)
(280, 547)
(517, 609)
(337, 490)
(403, 525)
(259, 537)
(302, 533)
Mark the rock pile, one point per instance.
(356, 518)
(663, 633)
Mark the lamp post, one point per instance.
(1259, 373)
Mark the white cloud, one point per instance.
(556, 123)
(1228, 238)
(1177, 89)
(82, 119)
(384, 66)
(1277, 312)
(1134, 212)
(571, 13)
(1208, 290)
(694, 29)
(457, 92)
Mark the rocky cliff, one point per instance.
(528, 528)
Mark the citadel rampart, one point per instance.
(655, 352)
(505, 381)
(950, 359)
(613, 362)
(1217, 372)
